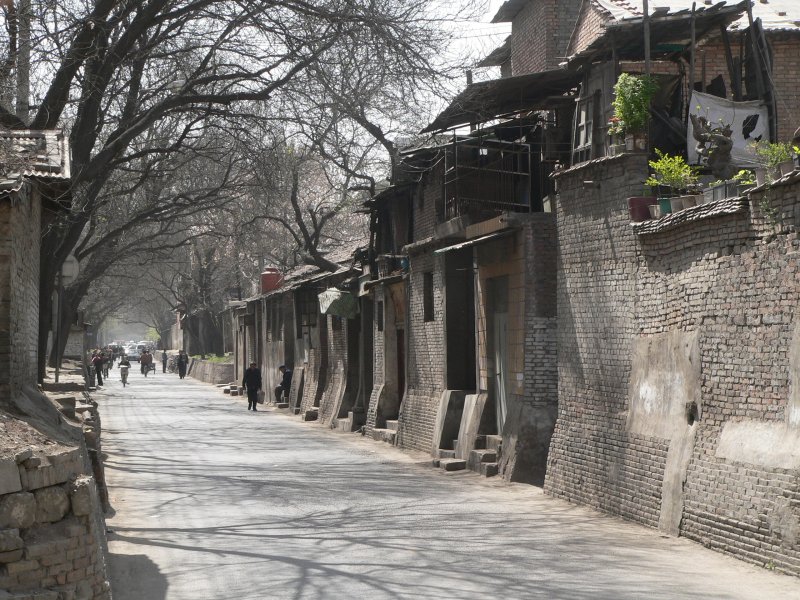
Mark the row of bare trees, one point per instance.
(234, 131)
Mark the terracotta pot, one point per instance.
(638, 207)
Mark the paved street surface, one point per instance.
(213, 502)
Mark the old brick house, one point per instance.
(675, 337)
(320, 339)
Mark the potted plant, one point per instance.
(674, 174)
(639, 207)
(616, 134)
(775, 159)
(632, 97)
(745, 180)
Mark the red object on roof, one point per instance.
(271, 279)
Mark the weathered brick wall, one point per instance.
(729, 282)
(540, 33)
(278, 340)
(428, 203)
(593, 459)
(425, 341)
(20, 218)
(209, 371)
(379, 368)
(337, 368)
(590, 26)
(51, 529)
(314, 369)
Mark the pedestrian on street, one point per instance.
(146, 361)
(286, 384)
(97, 363)
(252, 383)
(183, 362)
(163, 361)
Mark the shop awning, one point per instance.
(497, 98)
(338, 303)
(478, 240)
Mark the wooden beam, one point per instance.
(734, 81)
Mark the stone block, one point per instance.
(24, 455)
(21, 566)
(453, 464)
(10, 540)
(81, 496)
(9, 476)
(18, 511)
(10, 557)
(52, 504)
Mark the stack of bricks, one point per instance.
(51, 538)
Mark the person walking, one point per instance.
(183, 363)
(282, 391)
(252, 383)
(163, 361)
(97, 363)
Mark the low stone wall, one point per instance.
(211, 372)
(52, 537)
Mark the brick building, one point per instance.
(52, 530)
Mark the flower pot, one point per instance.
(743, 189)
(638, 207)
(708, 196)
(676, 204)
(786, 167)
(655, 211)
(640, 142)
(689, 201)
(665, 206)
(629, 143)
(761, 175)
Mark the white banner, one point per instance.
(748, 120)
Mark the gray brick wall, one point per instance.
(425, 341)
(730, 280)
(20, 220)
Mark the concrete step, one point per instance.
(489, 469)
(445, 453)
(282, 405)
(478, 457)
(452, 464)
(384, 435)
(227, 390)
(494, 442)
(480, 442)
(234, 392)
(297, 410)
(311, 414)
(343, 425)
(391, 425)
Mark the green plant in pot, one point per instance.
(633, 95)
(671, 176)
(745, 179)
(775, 158)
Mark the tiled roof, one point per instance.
(775, 15)
(26, 154)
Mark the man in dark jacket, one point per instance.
(252, 383)
(282, 391)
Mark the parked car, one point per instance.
(132, 353)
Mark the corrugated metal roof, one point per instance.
(775, 15)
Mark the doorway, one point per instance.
(497, 351)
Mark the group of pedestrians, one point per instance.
(252, 383)
(103, 359)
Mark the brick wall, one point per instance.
(590, 25)
(540, 33)
(726, 288)
(379, 368)
(20, 218)
(425, 342)
(337, 367)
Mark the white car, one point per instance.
(132, 353)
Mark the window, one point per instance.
(379, 316)
(582, 144)
(427, 296)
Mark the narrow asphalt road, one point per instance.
(213, 502)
